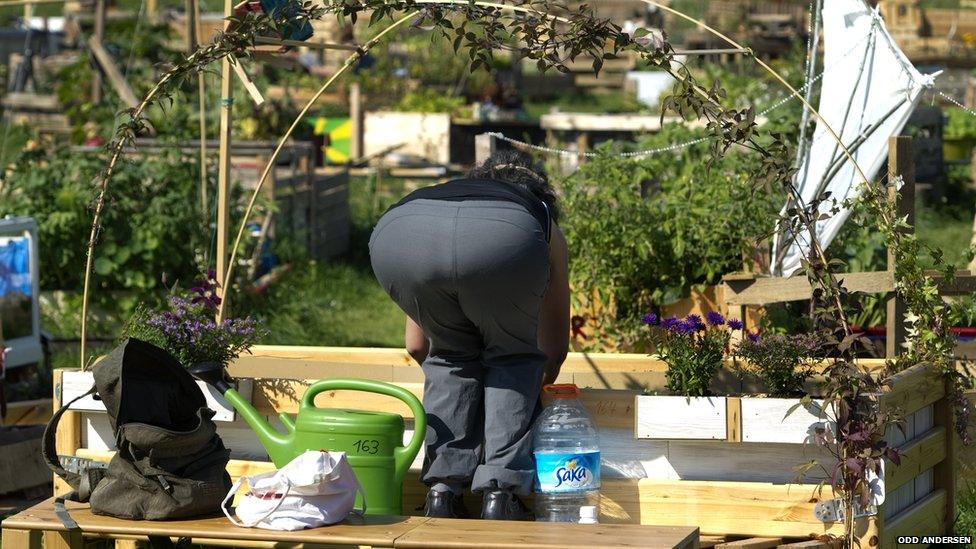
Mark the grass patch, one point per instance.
(945, 229)
(337, 304)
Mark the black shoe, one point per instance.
(445, 505)
(499, 504)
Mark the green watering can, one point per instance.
(372, 441)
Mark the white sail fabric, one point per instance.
(866, 97)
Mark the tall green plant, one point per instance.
(643, 232)
(152, 231)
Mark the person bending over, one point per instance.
(479, 265)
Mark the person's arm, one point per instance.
(554, 315)
(415, 340)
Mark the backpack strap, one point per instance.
(49, 449)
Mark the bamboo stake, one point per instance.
(96, 91)
(192, 42)
(223, 174)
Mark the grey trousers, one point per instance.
(472, 274)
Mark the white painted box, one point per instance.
(770, 420)
(679, 417)
(76, 383)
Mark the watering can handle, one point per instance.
(403, 455)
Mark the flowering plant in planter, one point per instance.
(188, 329)
(692, 348)
(782, 362)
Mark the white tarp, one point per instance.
(866, 96)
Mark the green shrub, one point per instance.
(152, 226)
(960, 124)
(642, 232)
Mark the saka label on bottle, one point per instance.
(559, 472)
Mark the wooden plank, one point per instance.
(54, 539)
(730, 508)
(705, 542)
(770, 420)
(115, 77)
(248, 84)
(751, 543)
(901, 164)
(811, 544)
(913, 388)
(766, 291)
(21, 539)
(303, 362)
(943, 415)
(925, 517)
(22, 466)
(917, 456)
(733, 418)
(759, 291)
(31, 102)
(609, 408)
(375, 531)
(28, 412)
(67, 439)
(675, 417)
(461, 533)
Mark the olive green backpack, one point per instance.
(170, 462)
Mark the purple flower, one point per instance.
(684, 327)
(714, 318)
(753, 336)
(670, 323)
(650, 319)
(695, 321)
(735, 324)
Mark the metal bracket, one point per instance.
(832, 510)
(79, 465)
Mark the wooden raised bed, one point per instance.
(726, 487)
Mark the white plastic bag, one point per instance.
(314, 489)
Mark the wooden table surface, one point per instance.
(372, 531)
(483, 534)
(376, 531)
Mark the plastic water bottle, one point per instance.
(567, 460)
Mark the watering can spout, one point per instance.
(275, 442)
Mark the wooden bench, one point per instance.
(39, 526)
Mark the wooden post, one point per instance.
(67, 439)
(223, 177)
(901, 163)
(484, 147)
(582, 145)
(96, 93)
(151, 10)
(356, 121)
(944, 473)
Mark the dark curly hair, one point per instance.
(517, 169)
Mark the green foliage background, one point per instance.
(642, 232)
(153, 227)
